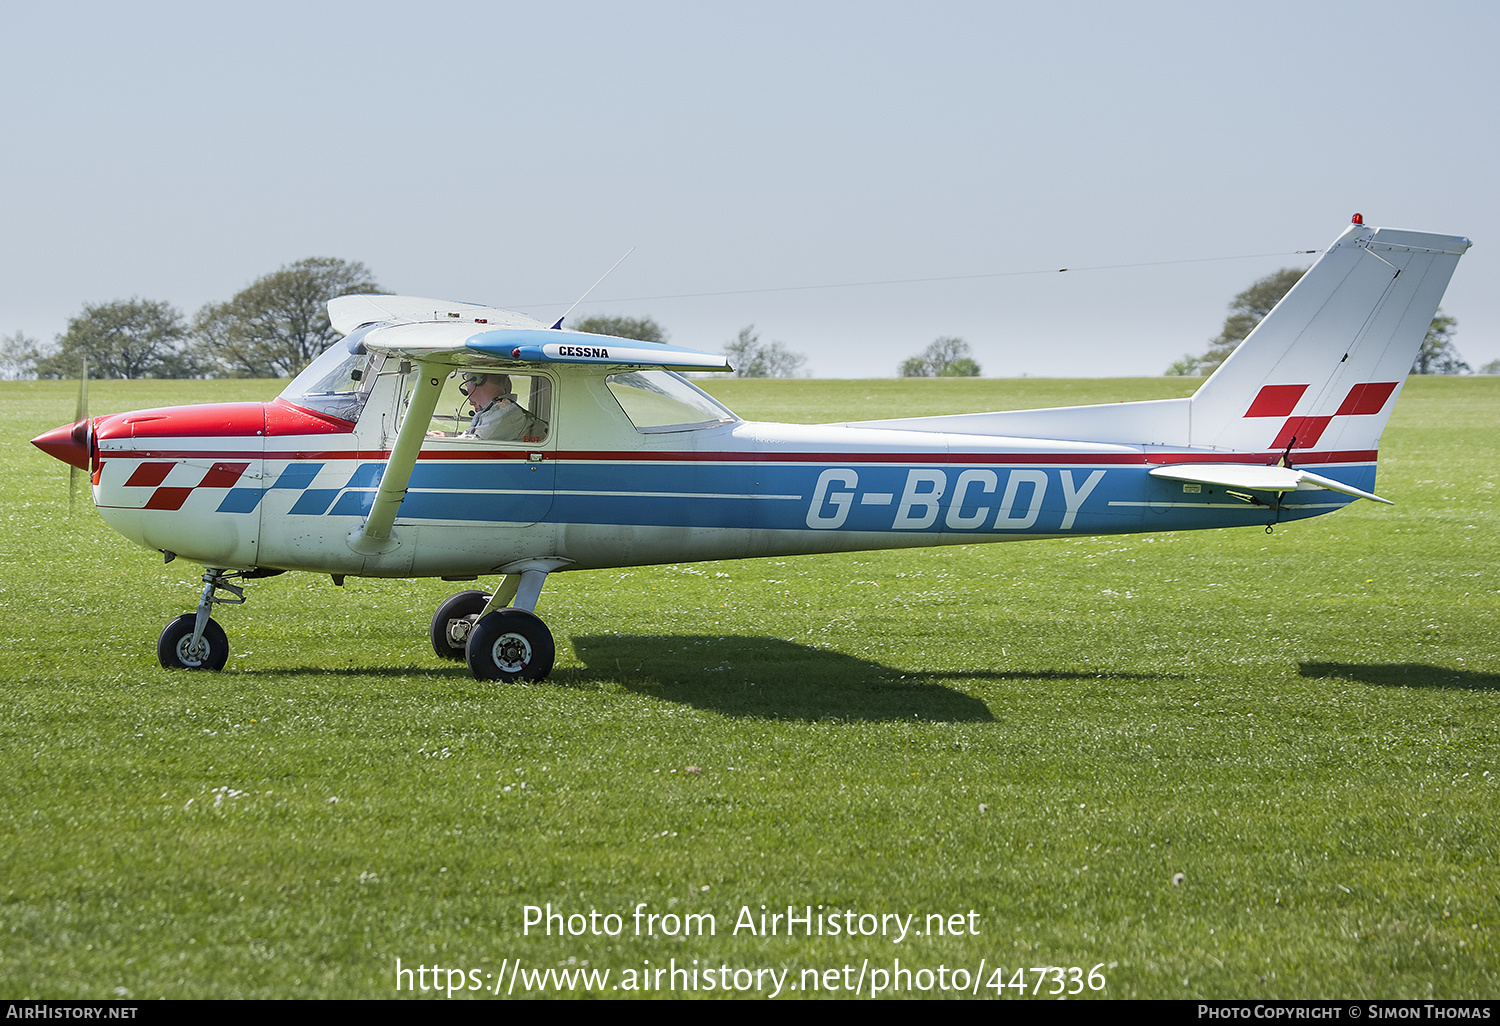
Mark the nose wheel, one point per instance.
(177, 650)
(195, 642)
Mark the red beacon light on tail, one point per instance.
(1358, 219)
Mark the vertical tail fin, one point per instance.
(1323, 369)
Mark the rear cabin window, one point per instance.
(658, 401)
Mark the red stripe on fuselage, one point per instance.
(826, 458)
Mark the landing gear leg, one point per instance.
(194, 641)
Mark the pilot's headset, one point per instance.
(473, 379)
(470, 380)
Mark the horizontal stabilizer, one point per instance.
(1259, 478)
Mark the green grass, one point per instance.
(1302, 725)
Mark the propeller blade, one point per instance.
(82, 432)
(82, 409)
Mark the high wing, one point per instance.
(430, 331)
(348, 313)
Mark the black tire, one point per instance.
(172, 647)
(453, 621)
(510, 644)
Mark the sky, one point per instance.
(1167, 153)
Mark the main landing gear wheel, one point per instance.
(453, 621)
(175, 650)
(510, 644)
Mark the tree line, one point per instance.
(751, 357)
(275, 327)
(1438, 354)
(271, 329)
(279, 323)
(748, 355)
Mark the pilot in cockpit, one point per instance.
(498, 415)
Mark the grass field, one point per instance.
(1302, 725)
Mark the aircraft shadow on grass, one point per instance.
(774, 679)
(1404, 675)
(763, 677)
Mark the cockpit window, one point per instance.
(658, 401)
(488, 406)
(338, 382)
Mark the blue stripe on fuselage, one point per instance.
(979, 500)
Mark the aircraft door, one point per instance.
(487, 460)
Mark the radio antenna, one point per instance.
(557, 325)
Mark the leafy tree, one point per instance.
(278, 324)
(753, 359)
(643, 329)
(1247, 310)
(1189, 366)
(1493, 367)
(946, 357)
(135, 338)
(18, 357)
(1438, 354)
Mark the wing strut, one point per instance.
(375, 535)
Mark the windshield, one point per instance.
(658, 400)
(338, 382)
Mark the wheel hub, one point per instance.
(192, 655)
(459, 630)
(512, 653)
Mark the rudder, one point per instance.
(1323, 369)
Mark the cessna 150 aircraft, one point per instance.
(612, 458)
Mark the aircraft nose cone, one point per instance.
(69, 443)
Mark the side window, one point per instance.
(514, 408)
(658, 401)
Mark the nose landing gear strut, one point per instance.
(195, 641)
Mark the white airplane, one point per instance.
(609, 457)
